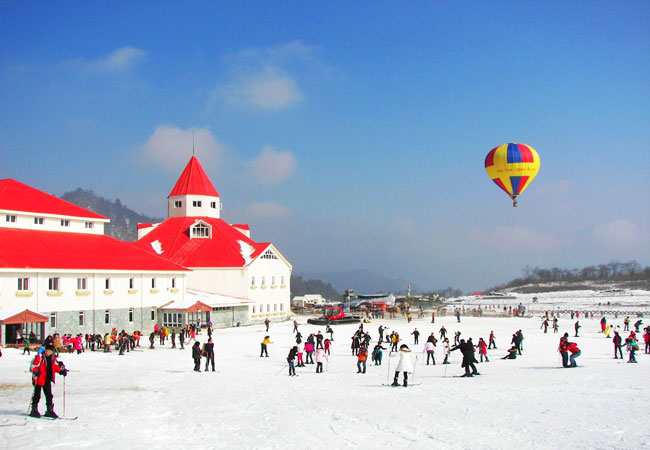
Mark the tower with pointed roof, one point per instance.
(193, 194)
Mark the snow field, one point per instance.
(153, 398)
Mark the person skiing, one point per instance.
(492, 343)
(637, 325)
(209, 354)
(632, 348)
(603, 324)
(44, 367)
(482, 349)
(443, 332)
(572, 348)
(626, 323)
(321, 357)
(430, 348)
(362, 356)
(406, 365)
(264, 351)
(447, 350)
(512, 353)
(618, 345)
(467, 349)
(577, 327)
(416, 336)
(377, 354)
(290, 359)
(562, 348)
(196, 356)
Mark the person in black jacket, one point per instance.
(618, 345)
(196, 356)
(290, 359)
(467, 349)
(209, 354)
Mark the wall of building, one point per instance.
(50, 222)
(271, 290)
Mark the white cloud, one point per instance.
(272, 166)
(267, 90)
(621, 236)
(264, 79)
(121, 59)
(171, 147)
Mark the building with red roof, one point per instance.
(56, 261)
(223, 258)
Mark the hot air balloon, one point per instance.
(512, 167)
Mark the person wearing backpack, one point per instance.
(196, 356)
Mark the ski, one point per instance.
(52, 418)
(409, 385)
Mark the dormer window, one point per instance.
(196, 203)
(201, 230)
(269, 255)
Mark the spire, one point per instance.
(193, 181)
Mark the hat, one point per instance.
(49, 347)
(403, 346)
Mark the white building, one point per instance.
(56, 261)
(224, 260)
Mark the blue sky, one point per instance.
(350, 134)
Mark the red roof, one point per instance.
(26, 316)
(16, 196)
(194, 181)
(223, 249)
(31, 249)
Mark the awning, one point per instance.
(16, 317)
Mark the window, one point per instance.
(178, 204)
(23, 284)
(107, 284)
(173, 283)
(81, 318)
(200, 230)
(253, 309)
(53, 284)
(172, 320)
(269, 255)
(275, 307)
(282, 280)
(263, 281)
(82, 284)
(90, 225)
(130, 314)
(213, 205)
(107, 316)
(53, 320)
(38, 221)
(131, 283)
(153, 283)
(252, 281)
(65, 223)
(11, 219)
(272, 281)
(196, 203)
(153, 313)
(281, 306)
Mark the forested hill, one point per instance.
(302, 287)
(124, 222)
(629, 275)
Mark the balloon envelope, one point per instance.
(512, 167)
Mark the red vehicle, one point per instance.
(334, 315)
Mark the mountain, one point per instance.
(362, 281)
(303, 287)
(124, 221)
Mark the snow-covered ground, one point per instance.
(153, 399)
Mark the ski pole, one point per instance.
(388, 373)
(64, 396)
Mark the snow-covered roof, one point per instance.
(215, 300)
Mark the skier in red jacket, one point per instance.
(44, 367)
(575, 352)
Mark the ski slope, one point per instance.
(153, 399)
